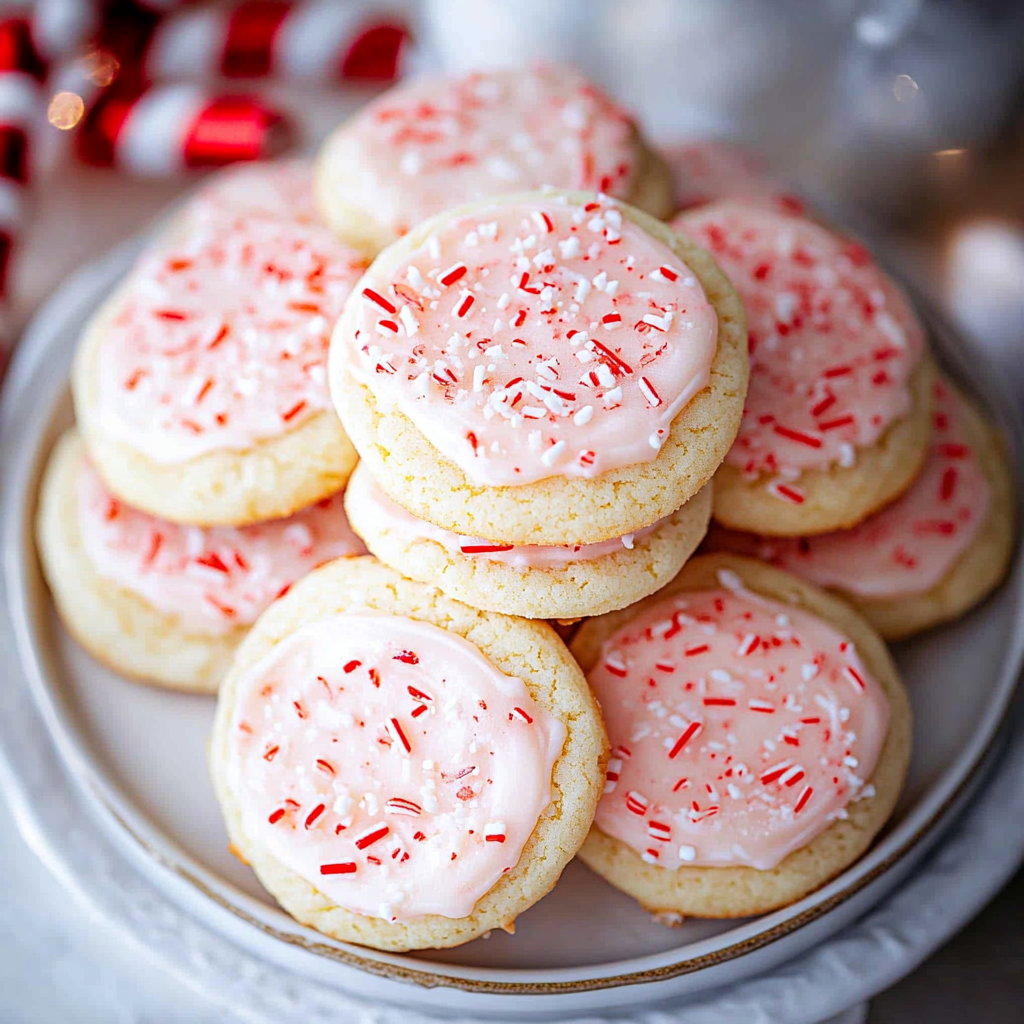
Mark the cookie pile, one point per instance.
(203, 477)
(546, 388)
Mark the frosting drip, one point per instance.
(832, 341)
(391, 516)
(222, 340)
(910, 545)
(536, 339)
(429, 145)
(214, 580)
(740, 727)
(379, 757)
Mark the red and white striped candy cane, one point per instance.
(289, 40)
(167, 129)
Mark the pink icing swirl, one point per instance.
(536, 338)
(431, 144)
(390, 764)
(740, 729)
(214, 580)
(390, 516)
(222, 340)
(909, 546)
(833, 342)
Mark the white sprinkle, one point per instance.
(606, 378)
(687, 854)
(434, 247)
(613, 398)
(656, 440)
(600, 281)
(478, 377)
(411, 162)
(503, 301)
(409, 322)
(627, 541)
(847, 456)
(534, 438)
(808, 671)
(549, 457)
(569, 248)
(582, 290)
(584, 415)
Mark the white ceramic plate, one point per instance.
(139, 756)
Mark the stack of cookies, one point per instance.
(547, 388)
(204, 476)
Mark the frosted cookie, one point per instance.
(537, 582)
(545, 368)
(163, 603)
(431, 144)
(200, 386)
(933, 553)
(760, 738)
(706, 170)
(399, 769)
(279, 189)
(837, 417)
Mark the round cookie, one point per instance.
(933, 553)
(430, 144)
(762, 757)
(480, 761)
(837, 418)
(200, 385)
(163, 603)
(535, 582)
(706, 170)
(601, 407)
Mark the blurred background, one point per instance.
(902, 119)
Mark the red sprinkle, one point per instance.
(688, 733)
(351, 666)
(797, 435)
(451, 275)
(344, 868)
(385, 304)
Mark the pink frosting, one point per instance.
(431, 144)
(280, 189)
(913, 543)
(213, 580)
(832, 341)
(536, 339)
(390, 764)
(222, 341)
(740, 727)
(704, 170)
(391, 516)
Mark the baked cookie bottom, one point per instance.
(575, 590)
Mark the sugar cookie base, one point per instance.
(556, 510)
(578, 589)
(839, 497)
(339, 163)
(528, 650)
(725, 892)
(118, 628)
(270, 480)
